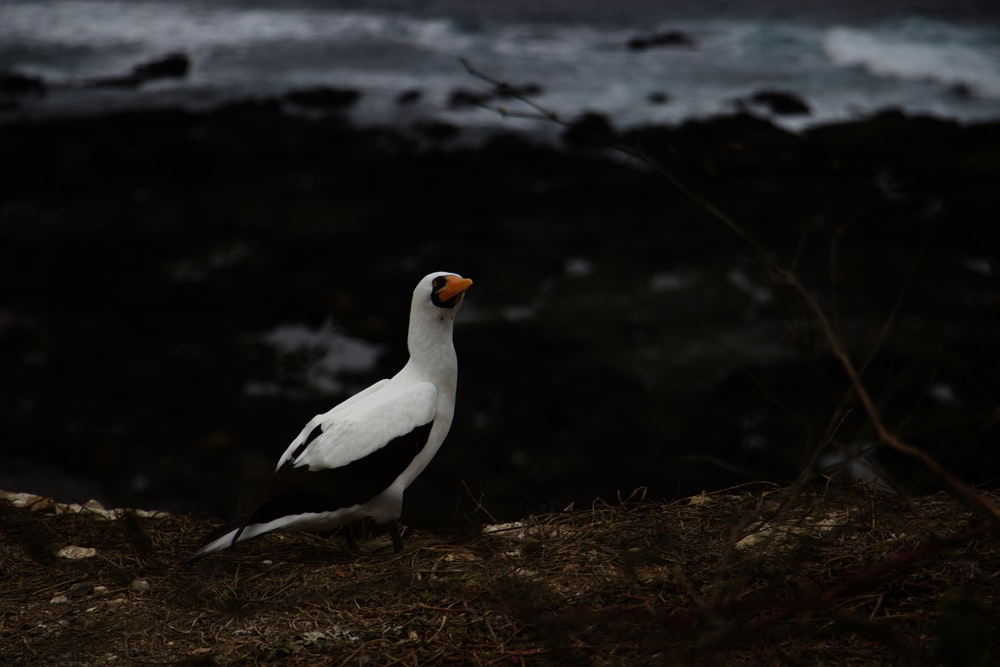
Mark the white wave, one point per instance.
(554, 42)
(920, 52)
(329, 353)
(200, 27)
(260, 49)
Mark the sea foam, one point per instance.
(920, 51)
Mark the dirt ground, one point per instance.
(755, 576)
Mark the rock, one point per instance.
(76, 553)
(660, 39)
(173, 66)
(462, 98)
(263, 109)
(14, 84)
(589, 130)
(33, 502)
(526, 90)
(410, 96)
(437, 131)
(139, 586)
(94, 505)
(781, 103)
(80, 590)
(324, 97)
(962, 90)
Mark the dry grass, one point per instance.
(756, 577)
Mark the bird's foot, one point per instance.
(397, 539)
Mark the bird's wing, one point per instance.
(359, 427)
(357, 455)
(318, 424)
(356, 458)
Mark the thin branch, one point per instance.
(834, 341)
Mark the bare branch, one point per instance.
(789, 277)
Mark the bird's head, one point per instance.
(442, 290)
(436, 300)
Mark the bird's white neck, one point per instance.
(429, 341)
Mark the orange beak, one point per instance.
(453, 287)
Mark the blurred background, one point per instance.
(212, 216)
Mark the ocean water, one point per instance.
(845, 59)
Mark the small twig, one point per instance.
(445, 610)
(875, 609)
(478, 502)
(511, 91)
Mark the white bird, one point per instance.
(356, 461)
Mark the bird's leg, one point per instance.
(352, 544)
(397, 539)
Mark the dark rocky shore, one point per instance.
(617, 335)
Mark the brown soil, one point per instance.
(757, 576)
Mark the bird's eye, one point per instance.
(439, 282)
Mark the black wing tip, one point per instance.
(297, 452)
(238, 526)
